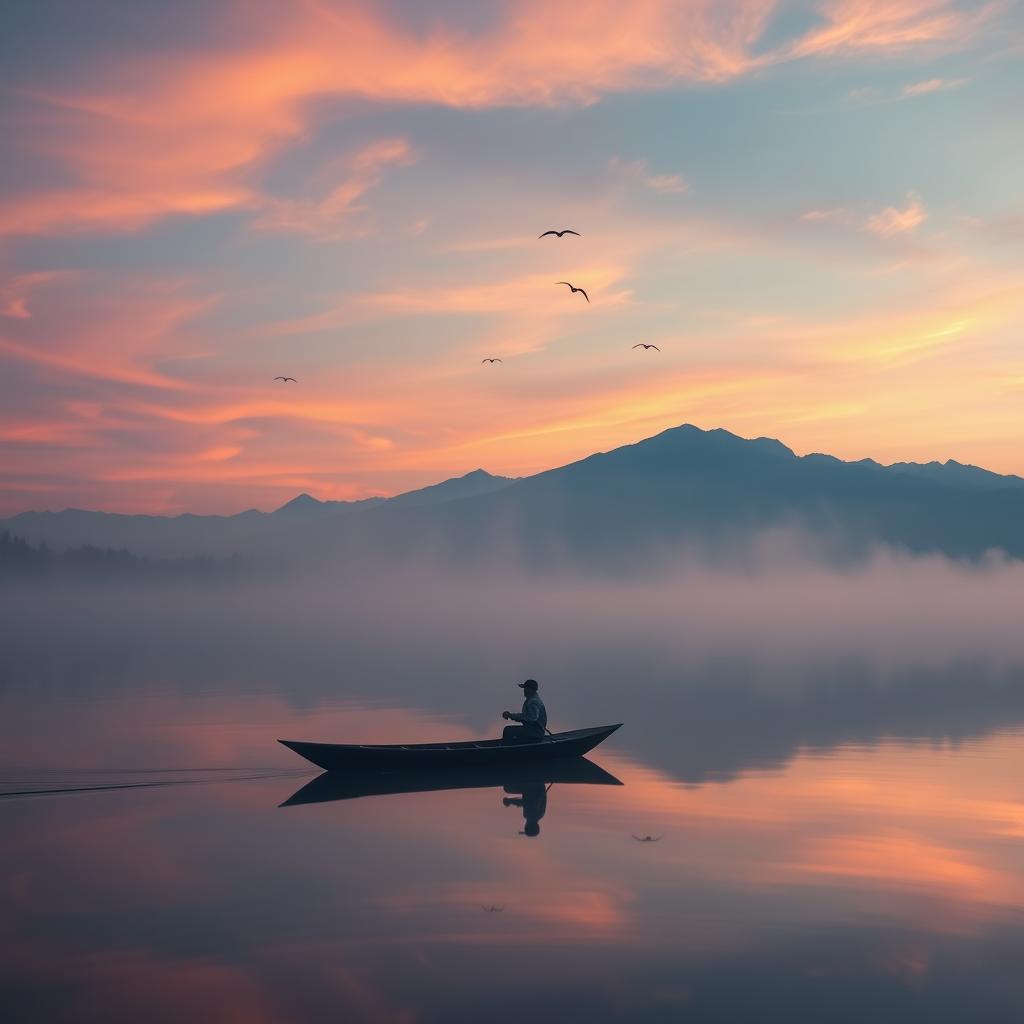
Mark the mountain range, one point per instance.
(613, 510)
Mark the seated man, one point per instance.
(533, 717)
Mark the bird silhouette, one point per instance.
(574, 289)
(564, 231)
(492, 909)
(647, 839)
(642, 345)
(490, 360)
(292, 379)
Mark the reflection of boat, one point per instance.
(396, 756)
(513, 779)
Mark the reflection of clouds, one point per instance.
(547, 904)
(386, 892)
(164, 731)
(891, 826)
(903, 861)
(131, 984)
(273, 984)
(87, 852)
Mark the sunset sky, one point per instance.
(814, 208)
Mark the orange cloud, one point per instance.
(895, 221)
(16, 292)
(881, 25)
(932, 85)
(107, 329)
(835, 213)
(892, 220)
(179, 133)
(182, 132)
(538, 293)
(326, 218)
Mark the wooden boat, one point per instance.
(512, 778)
(397, 757)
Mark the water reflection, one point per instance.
(812, 867)
(884, 881)
(526, 785)
(533, 799)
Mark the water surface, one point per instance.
(839, 839)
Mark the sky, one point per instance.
(812, 208)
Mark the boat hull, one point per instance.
(394, 757)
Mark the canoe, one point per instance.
(397, 757)
(512, 778)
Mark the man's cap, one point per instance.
(530, 684)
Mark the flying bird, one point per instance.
(564, 231)
(574, 289)
(292, 379)
(492, 909)
(647, 839)
(642, 345)
(490, 360)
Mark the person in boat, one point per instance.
(533, 719)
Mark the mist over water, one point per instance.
(918, 646)
(829, 755)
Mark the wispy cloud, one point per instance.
(836, 214)
(885, 223)
(246, 176)
(637, 170)
(895, 220)
(16, 292)
(933, 85)
(180, 132)
(537, 293)
(329, 217)
(852, 26)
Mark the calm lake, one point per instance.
(834, 835)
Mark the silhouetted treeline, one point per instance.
(21, 561)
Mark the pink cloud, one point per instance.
(932, 85)
(836, 213)
(637, 170)
(181, 132)
(328, 217)
(852, 26)
(891, 220)
(894, 220)
(16, 292)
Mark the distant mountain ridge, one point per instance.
(628, 509)
(190, 534)
(955, 473)
(615, 509)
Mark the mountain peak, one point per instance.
(719, 436)
(300, 503)
(471, 485)
(695, 446)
